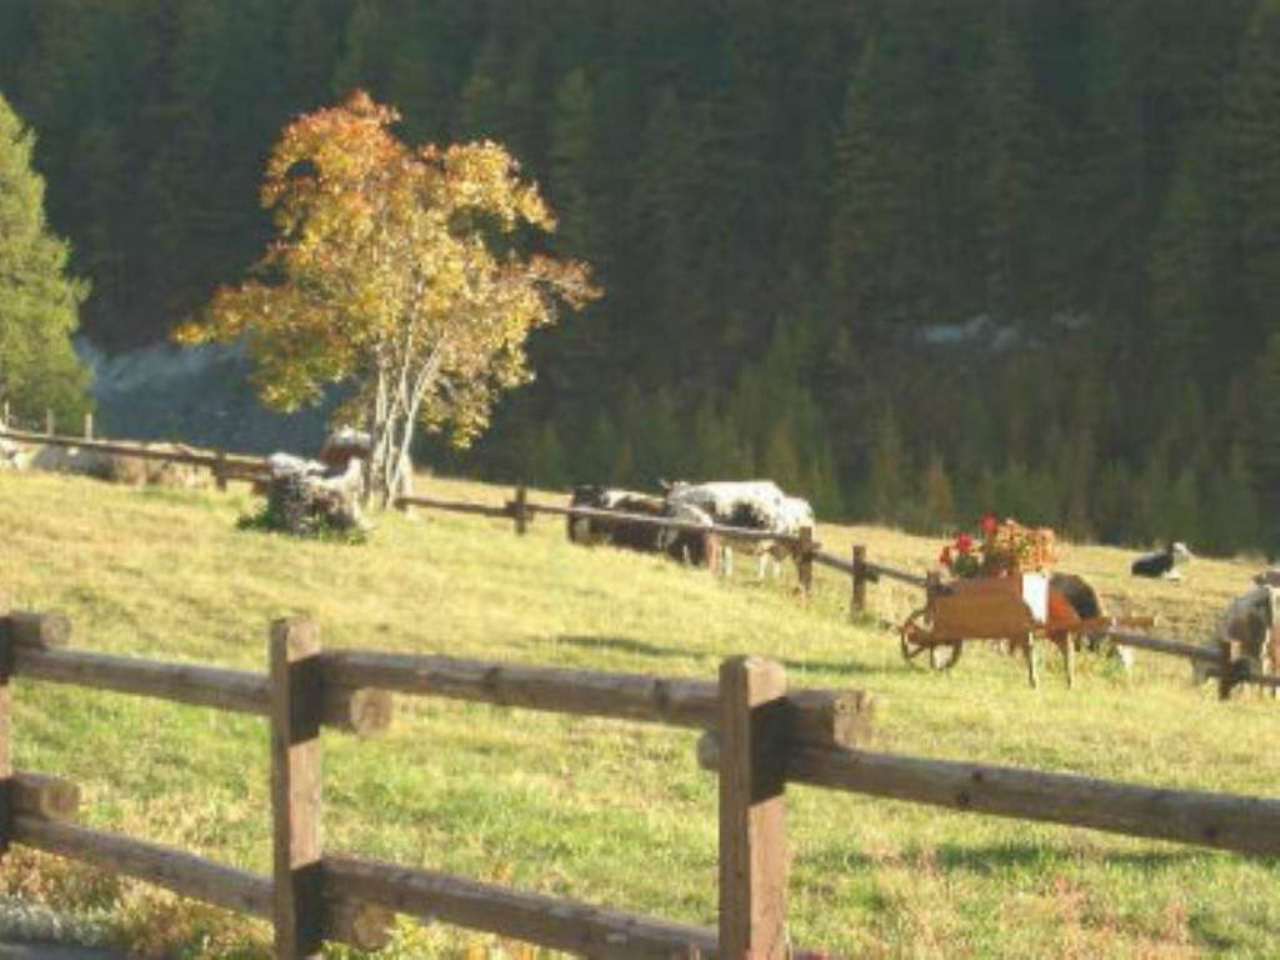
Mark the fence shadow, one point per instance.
(645, 649)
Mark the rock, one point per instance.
(10, 458)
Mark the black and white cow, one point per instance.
(1164, 564)
(758, 505)
(684, 545)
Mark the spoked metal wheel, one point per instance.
(916, 636)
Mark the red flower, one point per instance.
(990, 524)
(945, 557)
(964, 543)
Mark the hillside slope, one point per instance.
(610, 812)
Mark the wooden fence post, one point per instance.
(48, 421)
(220, 471)
(296, 706)
(6, 732)
(858, 601)
(804, 560)
(713, 550)
(753, 836)
(88, 424)
(6, 422)
(519, 510)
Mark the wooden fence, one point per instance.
(224, 466)
(759, 737)
(1227, 666)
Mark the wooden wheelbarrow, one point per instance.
(1016, 609)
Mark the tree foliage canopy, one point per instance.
(39, 303)
(394, 269)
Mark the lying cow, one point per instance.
(685, 545)
(1247, 621)
(757, 505)
(1165, 564)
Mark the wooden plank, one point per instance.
(175, 870)
(533, 918)
(804, 559)
(520, 510)
(858, 597)
(45, 797)
(296, 705)
(41, 630)
(363, 711)
(454, 506)
(1223, 821)
(819, 716)
(835, 563)
(246, 464)
(1173, 647)
(753, 837)
(231, 690)
(911, 579)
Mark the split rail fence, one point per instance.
(759, 736)
(224, 466)
(1225, 664)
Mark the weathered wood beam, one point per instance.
(231, 690)
(1219, 820)
(533, 918)
(37, 630)
(46, 797)
(298, 904)
(175, 870)
(818, 716)
(753, 835)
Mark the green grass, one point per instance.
(609, 812)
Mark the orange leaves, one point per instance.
(385, 269)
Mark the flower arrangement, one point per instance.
(1006, 549)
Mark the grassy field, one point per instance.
(609, 812)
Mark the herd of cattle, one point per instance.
(768, 519)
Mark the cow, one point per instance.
(758, 505)
(685, 545)
(1246, 621)
(1082, 598)
(1163, 564)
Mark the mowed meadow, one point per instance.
(609, 812)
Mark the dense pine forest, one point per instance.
(914, 258)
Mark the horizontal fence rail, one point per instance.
(758, 736)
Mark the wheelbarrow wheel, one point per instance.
(916, 636)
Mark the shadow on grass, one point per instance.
(645, 649)
(987, 860)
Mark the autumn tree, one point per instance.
(39, 302)
(395, 270)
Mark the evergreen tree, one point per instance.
(936, 497)
(887, 489)
(39, 302)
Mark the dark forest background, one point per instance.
(913, 258)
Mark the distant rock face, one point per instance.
(305, 498)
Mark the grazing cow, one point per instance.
(1164, 564)
(1077, 593)
(688, 546)
(750, 505)
(1246, 621)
